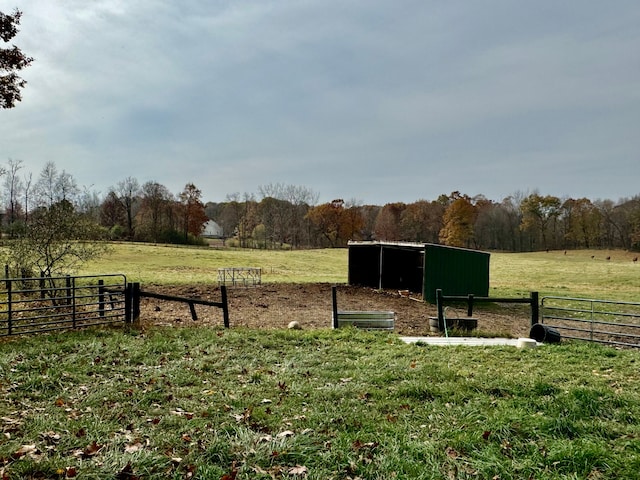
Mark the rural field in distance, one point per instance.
(578, 273)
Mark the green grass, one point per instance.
(512, 274)
(205, 403)
(192, 265)
(574, 274)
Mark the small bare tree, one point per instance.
(56, 241)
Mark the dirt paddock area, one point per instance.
(271, 306)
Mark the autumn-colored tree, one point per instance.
(539, 215)
(388, 222)
(582, 222)
(421, 221)
(12, 60)
(192, 211)
(458, 222)
(329, 221)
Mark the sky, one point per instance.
(371, 101)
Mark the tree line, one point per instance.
(50, 223)
(517, 223)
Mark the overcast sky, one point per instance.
(373, 100)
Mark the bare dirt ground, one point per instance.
(275, 305)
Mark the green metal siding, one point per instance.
(456, 271)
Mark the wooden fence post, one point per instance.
(535, 308)
(135, 303)
(225, 306)
(440, 306)
(128, 289)
(334, 303)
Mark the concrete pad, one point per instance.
(469, 341)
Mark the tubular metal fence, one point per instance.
(602, 321)
(41, 304)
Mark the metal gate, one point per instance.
(41, 304)
(602, 321)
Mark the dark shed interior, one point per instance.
(420, 268)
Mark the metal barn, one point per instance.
(420, 268)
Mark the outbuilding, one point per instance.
(419, 268)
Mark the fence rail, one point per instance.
(41, 304)
(602, 321)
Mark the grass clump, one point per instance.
(200, 403)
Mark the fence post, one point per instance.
(9, 309)
(128, 289)
(334, 302)
(135, 303)
(42, 286)
(470, 305)
(6, 276)
(68, 289)
(72, 294)
(535, 308)
(101, 298)
(225, 306)
(440, 306)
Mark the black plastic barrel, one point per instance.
(543, 333)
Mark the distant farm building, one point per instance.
(212, 230)
(420, 268)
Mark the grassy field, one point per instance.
(190, 265)
(212, 404)
(207, 403)
(575, 273)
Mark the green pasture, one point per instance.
(207, 403)
(581, 273)
(203, 403)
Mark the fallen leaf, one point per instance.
(92, 449)
(127, 473)
(134, 447)
(298, 470)
(70, 472)
(25, 450)
(286, 433)
(486, 434)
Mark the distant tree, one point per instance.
(192, 212)
(284, 215)
(539, 215)
(421, 221)
(13, 185)
(113, 215)
(128, 192)
(54, 186)
(329, 221)
(155, 216)
(12, 60)
(582, 222)
(353, 220)
(388, 222)
(458, 222)
(55, 241)
(369, 215)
